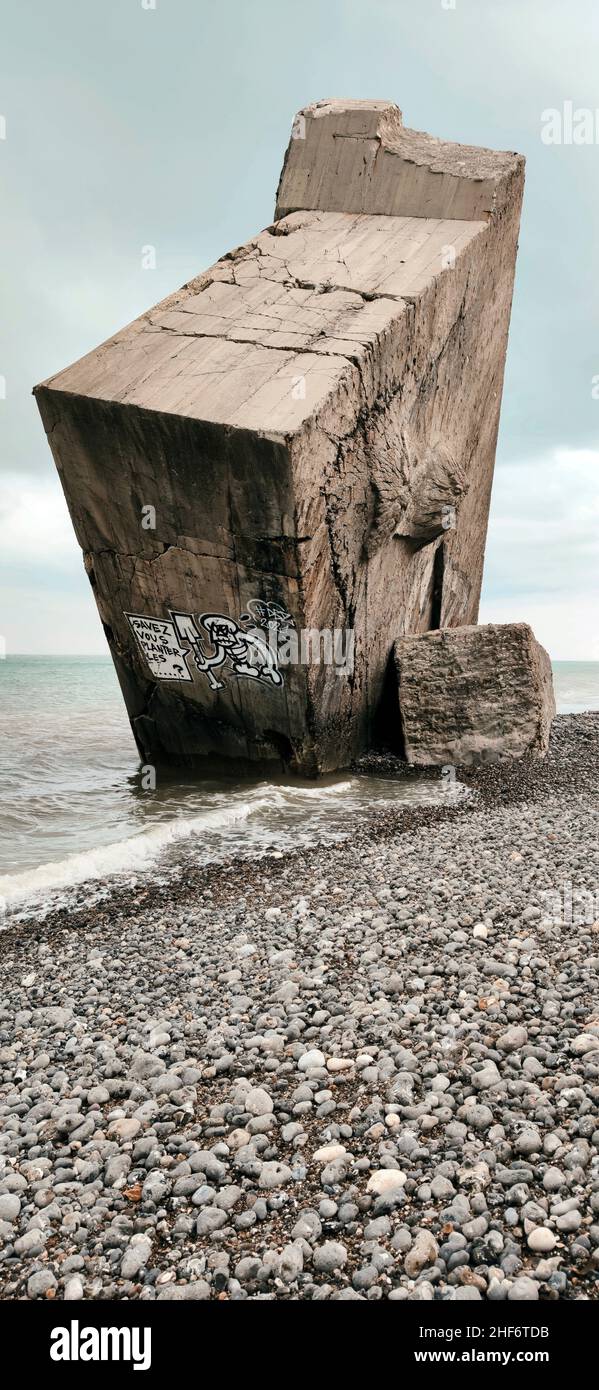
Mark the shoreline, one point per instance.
(187, 1051)
(569, 767)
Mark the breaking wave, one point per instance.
(127, 856)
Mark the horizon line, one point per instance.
(106, 656)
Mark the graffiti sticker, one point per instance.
(245, 648)
(161, 648)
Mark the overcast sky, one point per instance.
(127, 126)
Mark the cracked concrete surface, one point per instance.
(305, 417)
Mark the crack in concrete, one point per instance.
(286, 542)
(255, 342)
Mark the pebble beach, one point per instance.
(364, 1072)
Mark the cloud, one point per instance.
(47, 623)
(544, 526)
(47, 604)
(542, 558)
(35, 525)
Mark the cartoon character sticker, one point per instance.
(248, 647)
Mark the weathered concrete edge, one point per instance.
(350, 156)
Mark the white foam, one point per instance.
(316, 793)
(124, 856)
(34, 892)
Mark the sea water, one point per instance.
(73, 807)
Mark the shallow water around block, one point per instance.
(73, 809)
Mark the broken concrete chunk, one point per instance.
(399, 171)
(288, 463)
(471, 694)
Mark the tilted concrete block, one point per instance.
(313, 421)
(471, 694)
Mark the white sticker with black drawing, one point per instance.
(160, 645)
(247, 647)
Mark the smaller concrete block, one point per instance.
(471, 694)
